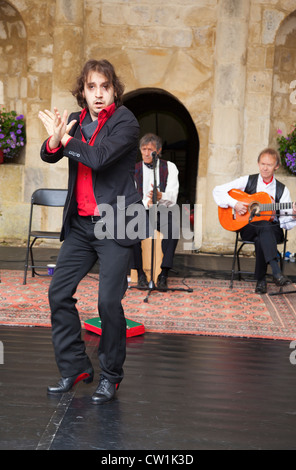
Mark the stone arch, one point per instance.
(13, 70)
(161, 113)
(283, 107)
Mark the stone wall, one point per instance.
(215, 56)
(241, 124)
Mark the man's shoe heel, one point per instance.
(89, 379)
(65, 384)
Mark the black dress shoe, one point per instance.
(66, 383)
(142, 281)
(261, 287)
(162, 283)
(105, 392)
(281, 280)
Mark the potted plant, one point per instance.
(287, 150)
(12, 134)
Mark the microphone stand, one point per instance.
(151, 285)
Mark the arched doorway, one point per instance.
(161, 113)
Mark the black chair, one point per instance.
(239, 244)
(48, 198)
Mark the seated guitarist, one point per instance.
(266, 234)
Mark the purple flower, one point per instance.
(290, 160)
(12, 133)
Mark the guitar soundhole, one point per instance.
(254, 206)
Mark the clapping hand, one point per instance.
(56, 126)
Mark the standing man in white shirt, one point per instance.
(265, 234)
(166, 195)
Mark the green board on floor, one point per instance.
(133, 328)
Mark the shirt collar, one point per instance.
(269, 182)
(150, 165)
(107, 112)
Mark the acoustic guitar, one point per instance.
(261, 206)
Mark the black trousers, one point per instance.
(266, 236)
(169, 226)
(78, 254)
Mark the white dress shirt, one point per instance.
(170, 195)
(222, 198)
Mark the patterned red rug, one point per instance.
(211, 309)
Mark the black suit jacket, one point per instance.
(112, 160)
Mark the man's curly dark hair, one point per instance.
(105, 68)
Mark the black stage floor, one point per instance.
(180, 394)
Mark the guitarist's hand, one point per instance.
(241, 207)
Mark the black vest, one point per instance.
(163, 176)
(251, 187)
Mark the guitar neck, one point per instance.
(276, 206)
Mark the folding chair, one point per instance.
(239, 244)
(48, 198)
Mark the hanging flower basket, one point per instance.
(287, 150)
(12, 133)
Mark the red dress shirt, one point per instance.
(86, 202)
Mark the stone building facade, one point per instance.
(219, 74)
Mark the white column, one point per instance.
(227, 124)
